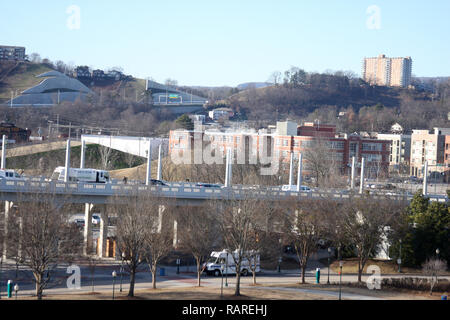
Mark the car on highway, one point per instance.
(293, 187)
(155, 182)
(208, 185)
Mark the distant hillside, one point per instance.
(282, 101)
(247, 85)
(19, 76)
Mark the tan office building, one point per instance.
(426, 146)
(384, 71)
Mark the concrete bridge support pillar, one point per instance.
(161, 210)
(159, 173)
(88, 209)
(8, 207)
(291, 170)
(19, 245)
(83, 150)
(104, 221)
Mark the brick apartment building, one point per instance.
(290, 138)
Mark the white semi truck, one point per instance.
(81, 175)
(223, 261)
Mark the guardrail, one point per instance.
(177, 191)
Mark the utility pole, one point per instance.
(57, 124)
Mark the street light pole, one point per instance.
(329, 251)
(221, 286)
(121, 271)
(341, 263)
(1, 269)
(114, 274)
(226, 271)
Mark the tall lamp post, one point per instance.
(114, 275)
(1, 267)
(437, 253)
(121, 270)
(226, 270)
(341, 264)
(221, 286)
(329, 251)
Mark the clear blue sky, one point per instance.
(213, 42)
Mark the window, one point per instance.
(372, 147)
(337, 145)
(373, 157)
(285, 142)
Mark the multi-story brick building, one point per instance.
(12, 53)
(289, 138)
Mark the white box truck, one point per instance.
(81, 175)
(223, 261)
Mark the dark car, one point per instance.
(155, 182)
(208, 185)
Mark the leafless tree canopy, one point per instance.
(198, 233)
(432, 267)
(238, 219)
(40, 234)
(138, 226)
(364, 221)
(305, 224)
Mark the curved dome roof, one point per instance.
(57, 81)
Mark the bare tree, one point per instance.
(198, 234)
(106, 157)
(364, 222)
(135, 221)
(305, 224)
(263, 238)
(92, 263)
(237, 220)
(158, 238)
(432, 267)
(44, 237)
(320, 161)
